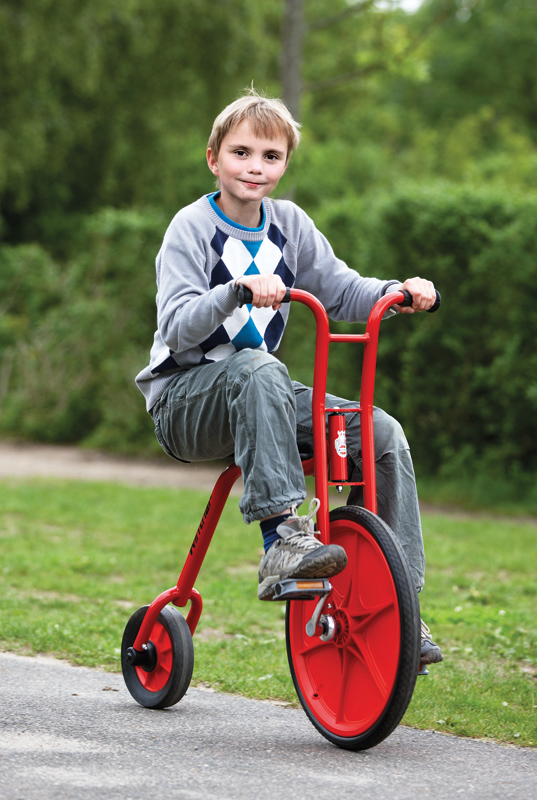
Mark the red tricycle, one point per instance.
(353, 687)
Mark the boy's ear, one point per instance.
(212, 161)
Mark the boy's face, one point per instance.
(248, 168)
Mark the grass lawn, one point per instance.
(78, 558)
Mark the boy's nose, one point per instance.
(254, 166)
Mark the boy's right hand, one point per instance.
(267, 290)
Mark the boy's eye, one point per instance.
(268, 156)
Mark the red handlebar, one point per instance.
(323, 340)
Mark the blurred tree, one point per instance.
(101, 100)
(474, 116)
(110, 103)
(483, 56)
(291, 57)
(348, 41)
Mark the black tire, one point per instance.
(165, 683)
(356, 687)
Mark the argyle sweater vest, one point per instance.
(257, 328)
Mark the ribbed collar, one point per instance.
(232, 228)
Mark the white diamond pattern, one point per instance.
(236, 257)
(268, 257)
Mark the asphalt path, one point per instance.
(72, 732)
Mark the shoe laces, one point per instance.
(425, 631)
(305, 524)
(304, 521)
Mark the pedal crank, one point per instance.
(325, 622)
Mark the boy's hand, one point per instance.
(423, 294)
(268, 290)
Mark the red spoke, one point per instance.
(352, 547)
(368, 615)
(310, 646)
(156, 679)
(344, 673)
(364, 654)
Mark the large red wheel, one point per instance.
(355, 684)
(166, 675)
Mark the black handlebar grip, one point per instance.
(408, 301)
(244, 295)
(436, 304)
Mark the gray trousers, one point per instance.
(247, 407)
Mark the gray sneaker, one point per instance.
(298, 554)
(430, 652)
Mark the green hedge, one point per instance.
(463, 382)
(74, 335)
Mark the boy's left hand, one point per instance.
(423, 295)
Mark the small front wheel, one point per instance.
(356, 679)
(164, 681)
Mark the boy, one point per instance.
(213, 387)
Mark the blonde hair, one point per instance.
(268, 117)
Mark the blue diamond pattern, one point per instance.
(248, 336)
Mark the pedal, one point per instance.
(301, 589)
(423, 670)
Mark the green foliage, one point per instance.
(118, 111)
(74, 338)
(484, 54)
(100, 103)
(116, 115)
(461, 381)
(449, 91)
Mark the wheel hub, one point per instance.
(342, 628)
(146, 658)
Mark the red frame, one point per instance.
(184, 590)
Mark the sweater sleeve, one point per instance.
(188, 310)
(345, 294)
